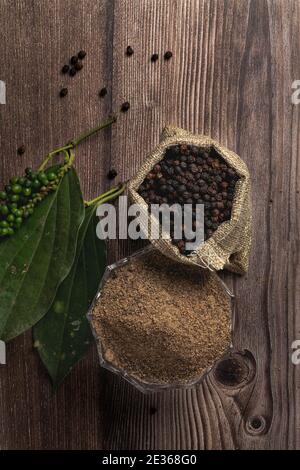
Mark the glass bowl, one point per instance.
(141, 385)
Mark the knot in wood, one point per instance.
(231, 371)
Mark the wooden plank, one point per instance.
(37, 38)
(230, 76)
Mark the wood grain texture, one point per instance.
(230, 77)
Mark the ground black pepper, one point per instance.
(162, 322)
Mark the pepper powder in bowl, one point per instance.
(160, 324)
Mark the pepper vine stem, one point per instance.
(75, 142)
(88, 134)
(108, 195)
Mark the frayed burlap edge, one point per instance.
(229, 246)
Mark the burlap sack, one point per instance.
(229, 246)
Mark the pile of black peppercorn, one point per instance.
(192, 175)
(75, 64)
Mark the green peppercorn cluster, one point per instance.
(21, 195)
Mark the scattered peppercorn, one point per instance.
(65, 69)
(112, 174)
(168, 55)
(153, 410)
(72, 72)
(125, 107)
(63, 92)
(154, 57)
(21, 149)
(79, 65)
(103, 92)
(129, 51)
(74, 60)
(81, 55)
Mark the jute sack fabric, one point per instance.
(229, 246)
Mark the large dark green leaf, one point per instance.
(38, 257)
(62, 337)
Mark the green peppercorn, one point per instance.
(4, 232)
(10, 218)
(10, 231)
(28, 171)
(18, 221)
(26, 214)
(18, 212)
(14, 198)
(14, 180)
(4, 210)
(26, 191)
(36, 184)
(3, 195)
(33, 176)
(43, 179)
(51, 176)
(27, 184)
(30, 210)
(41, 175)
(3, 223)
(12, 207)
(8, 188)
(16, 188)
(22, 180)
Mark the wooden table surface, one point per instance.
(231, 75)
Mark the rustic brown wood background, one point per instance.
(230, 77)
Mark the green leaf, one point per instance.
(63, 336)
(35, 260)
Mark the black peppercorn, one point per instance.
(112, 174)
(81, 55)
(65, 69)
(72, 72)
(168, 55)
(63, 92)
(187, 174)
(125, 107)
(73, 60)
(21, 149)
(129, 51)
(78, 66)
(154, 57)
(103, 92)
